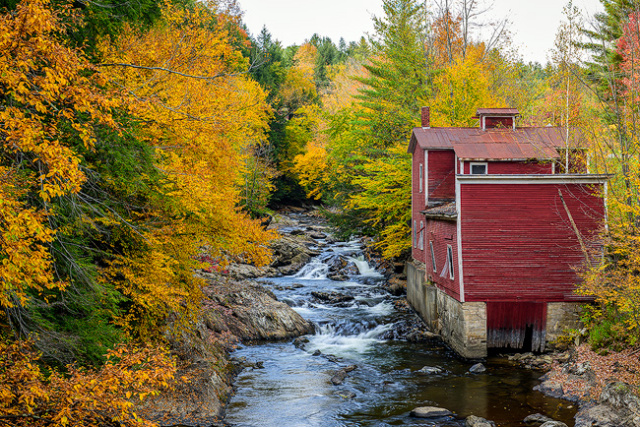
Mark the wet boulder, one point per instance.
(338, 377)
(331, 297)
(431, 370)
(252, 312)
(288, 250)
(554, 424)
(430, 412)
(536, 419)
(478, 368)
(474, 421)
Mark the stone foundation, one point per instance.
(464, 325)
(561, 316)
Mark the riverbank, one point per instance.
(235, 310)
(604, 386)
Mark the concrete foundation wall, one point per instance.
(561, 316)
(464, 325)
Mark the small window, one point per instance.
(415, 234)
(421, 176)
(478, 168)
(433, 256)
(421, 239)
(450, 261)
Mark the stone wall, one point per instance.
(561, 316)
(461, 325)
(421, 295)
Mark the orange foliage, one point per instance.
(203, 114)
(50, 94)
(87, 397)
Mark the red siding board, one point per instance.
(418, 200)
(518, 243)
(442, 179)
(441, 234)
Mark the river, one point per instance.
(292, 386)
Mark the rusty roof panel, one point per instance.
(498, 144)
(497, 111)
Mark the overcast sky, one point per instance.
(534, 22)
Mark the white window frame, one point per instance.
(433, 257)
(421, 236)
(421, 177)
(415, 233)
(485, 164)
(450, 260)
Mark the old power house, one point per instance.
(499, 229)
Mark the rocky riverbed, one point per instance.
(363, 356)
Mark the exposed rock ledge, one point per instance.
(603, 400)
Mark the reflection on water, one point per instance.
(294, 388)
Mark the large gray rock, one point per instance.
(430, 412)
(551, 388)
(554, 424)
(537, 419)
(598, 416)
(474, 421)
(478, 368)
(289, 250)
(431, 370)
(620, 396)
(251, 312)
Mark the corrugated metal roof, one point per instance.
(498, 111)
(497, 144)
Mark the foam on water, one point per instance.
(329, 342)
(363, 267)
(315, 270)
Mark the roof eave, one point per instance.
(444, 217)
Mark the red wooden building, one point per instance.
(499, 231)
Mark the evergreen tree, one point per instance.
(398, 78)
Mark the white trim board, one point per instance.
(459, 242)
(533, 179)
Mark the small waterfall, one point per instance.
(363, 267)
(315, 270)
(329, 340)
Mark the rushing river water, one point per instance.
(294, 389)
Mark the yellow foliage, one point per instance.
(84, 397)
(49, 92)
(203, 115)
(25, 262)
(463, 87)
(312, 169)
(386, 194)
(50, 89)
(344, 86)
(299, 86)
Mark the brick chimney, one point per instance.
(425, 114)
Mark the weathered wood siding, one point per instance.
(441, 234)
(518, 243)
(442, 175)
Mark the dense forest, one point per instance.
(142, 141)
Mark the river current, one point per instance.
(292, 386)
